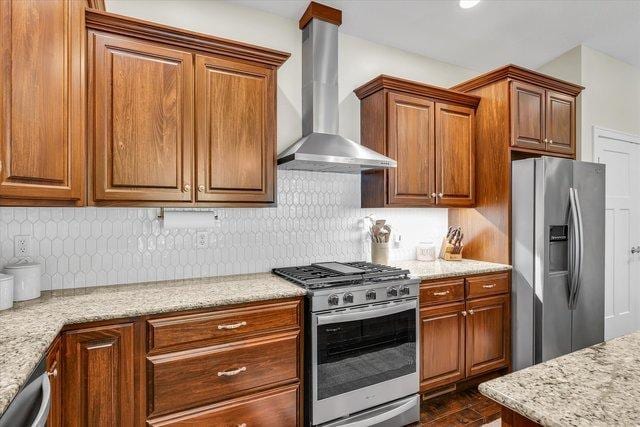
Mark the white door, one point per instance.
(621, 153)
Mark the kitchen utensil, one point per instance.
(26, 279)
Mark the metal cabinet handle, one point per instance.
(232, 373)
(433, 195)
(464, 313)
(471, 312)
(201, 188)
(53, 373)
(493, 285)
(551, 141)
(440, 195)
(187, 188)
(440, 293)
(546, 140)
(233, 325)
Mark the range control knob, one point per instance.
(334, 299)
(348, 298)
(392, 291)
(370, 295)
(404, 290)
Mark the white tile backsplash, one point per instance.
(318, 218)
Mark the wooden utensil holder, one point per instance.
(446, 251)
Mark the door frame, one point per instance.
(598, 133)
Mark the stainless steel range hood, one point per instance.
(321, 148)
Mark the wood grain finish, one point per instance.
(511, 418)
(236, 133)
(487, 338)
(272, 408)
(142, 140)
(321, 12)
(411, 144)
(527, 116)
(443, 343)
(455, 155)
(560, 123)
(481, 286)
(442, 291)
(198, 329)
(191, 378)
(42, 103)
(55, 372)
(98, 386)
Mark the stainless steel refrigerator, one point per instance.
(558, 222)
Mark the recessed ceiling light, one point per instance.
(468, 4)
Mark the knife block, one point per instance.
(446, 251)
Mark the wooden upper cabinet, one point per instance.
(411, 144)
(42, 157)
(98, 384)
(560, 123)
(236, 133)
(488, 332)
(527, 116)
(143, 133)
(430, 132)
(455, 155)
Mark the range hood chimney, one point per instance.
(321, 148)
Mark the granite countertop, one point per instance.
(27, 330)
(599, 385)
(440, 269)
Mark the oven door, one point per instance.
(363, 357)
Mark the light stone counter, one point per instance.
(440, 269)
(27, 330)
(597, 386)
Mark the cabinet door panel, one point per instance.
(143, 138)
(561, 123)
(235, 107)
(98, 383)
(455, 155)
(411, 144)
(442, 337)
(487, 334)
(54, 369)
(42, 108)
(527, 116)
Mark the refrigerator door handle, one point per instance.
(576, 243)
(580, 259)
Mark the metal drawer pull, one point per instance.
(233, 325)
(440, 293)
(493, 285)
(232, 373)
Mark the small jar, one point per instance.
(26, 279)
(426, 251)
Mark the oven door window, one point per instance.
(356, 354)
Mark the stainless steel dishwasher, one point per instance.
(30, 407)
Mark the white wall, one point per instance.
(611, 98)
(359, 59)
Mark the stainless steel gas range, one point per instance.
(361, 344)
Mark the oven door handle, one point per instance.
(366, 313)
(385, 416)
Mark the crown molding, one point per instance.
(322, 12)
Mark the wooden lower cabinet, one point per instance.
(275, 408)
(442, 337)
(98, 382)
(465, 338)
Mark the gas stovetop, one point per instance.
(331, 274)
(337, 285)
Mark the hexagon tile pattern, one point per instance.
(318, 218)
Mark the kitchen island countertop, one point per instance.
(599, 385)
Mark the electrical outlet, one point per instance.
(22, 246)
(202, 240)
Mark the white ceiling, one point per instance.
(493, 33)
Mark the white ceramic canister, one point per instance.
(6, 291)
(426, 251)
(26, 279)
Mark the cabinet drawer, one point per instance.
(192, 378)
(273, 408)
(172, 331)
(487, 285)
(439, 292)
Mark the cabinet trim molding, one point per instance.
(117, 24)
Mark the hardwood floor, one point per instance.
(464, 408)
